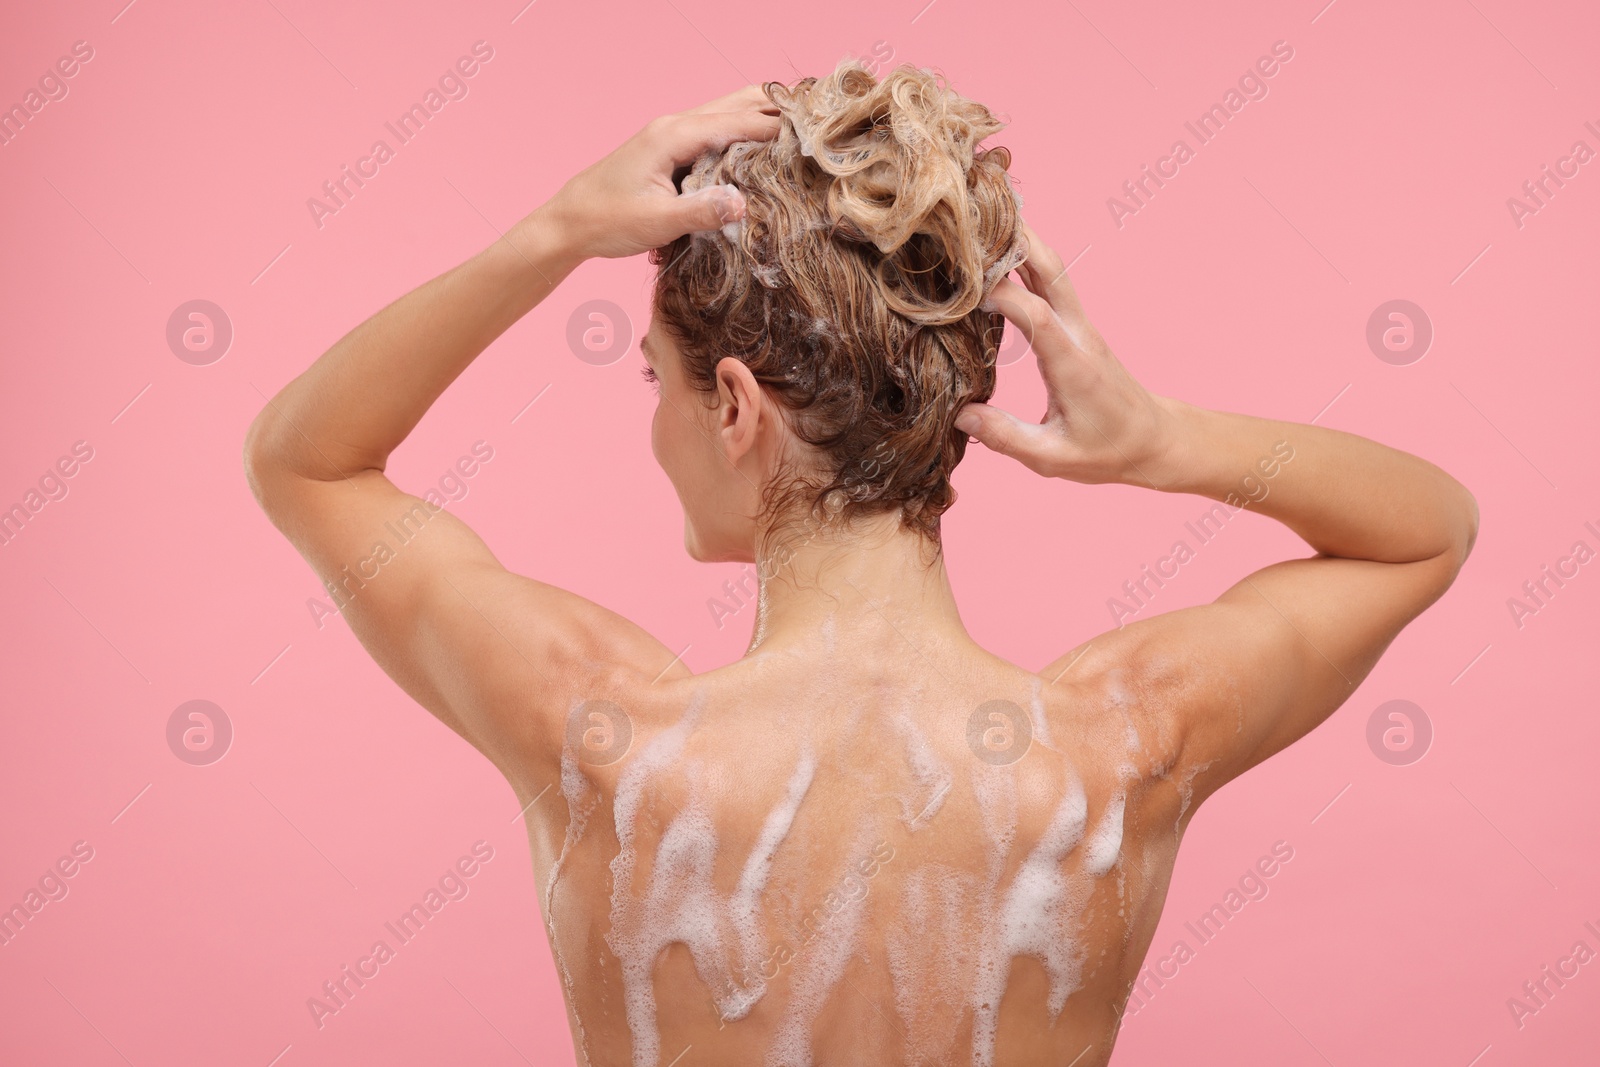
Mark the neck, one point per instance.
(873, 589)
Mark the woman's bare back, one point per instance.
(869, 859)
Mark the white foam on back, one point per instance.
(930, 775)
(996, 793)
(930, 953)
(745, 903)
(581, 802)
(1031, 912)
(631, 937)
(1041, 726)
(1104, 846)
(903, 947)
(682, 904)
(1038, 913)
(1186, 792)
(1037, 917)
(817, 969)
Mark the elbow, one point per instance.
(263, 457)
(1471, 523)
(1466, 535)
(1463, 535)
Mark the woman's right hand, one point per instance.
(626, 204)
(1100, 425)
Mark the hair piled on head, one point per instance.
(852, 289)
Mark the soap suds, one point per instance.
(929, 774)
(582, 800)
(996, 793)
(1037, 918)
(681, 904)
(930, 954)
(769, 275)
(1105, 843)
(1186, 792)
(636, 938)
(1009, 262)
(950, 935)
(745, 903)
(1041, 727)
(817, 969)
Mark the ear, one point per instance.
(740, 408)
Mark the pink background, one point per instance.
(1378, 167)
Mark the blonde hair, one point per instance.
(854, 287)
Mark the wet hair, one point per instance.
(854, 286)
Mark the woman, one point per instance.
(868, 840)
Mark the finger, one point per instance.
(1042, 259)
(1044, 274)
(1063, 362)
(1031, 314)
(1000, 431)
(751, 96)
(692, 135)
(708, 208)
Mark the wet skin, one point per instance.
(903, 895)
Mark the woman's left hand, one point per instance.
(1100, 425)
(626, 203)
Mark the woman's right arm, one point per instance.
(1232, 682)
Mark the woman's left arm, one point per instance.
(467, 639)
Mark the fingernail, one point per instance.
(730, 203)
